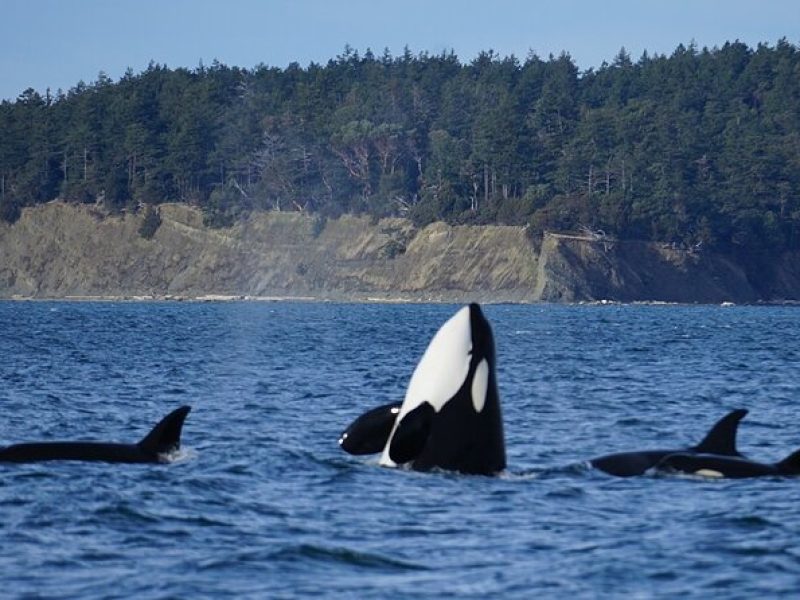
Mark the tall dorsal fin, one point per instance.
(166, 436)
(721, 439)
(790, 465)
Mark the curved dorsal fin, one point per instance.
(721, 439)
(790, 465)
(166, 436)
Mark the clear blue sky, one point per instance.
(56, 43)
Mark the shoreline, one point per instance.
(225, 298)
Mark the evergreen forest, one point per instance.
(700, 147)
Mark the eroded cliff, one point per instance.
(59, 250)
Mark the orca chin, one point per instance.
(720, 440)
(730, 467)
(450, 417)
(164, 439)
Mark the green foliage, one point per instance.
(318, 226)
(150, 222)
(10, 210)
(224, 207)
(392, 249)
(698, 146)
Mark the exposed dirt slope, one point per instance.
(59, 250)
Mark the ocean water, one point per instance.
(263, 504)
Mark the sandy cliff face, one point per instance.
(60, 250)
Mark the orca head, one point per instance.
(450, 416)
(369, 432)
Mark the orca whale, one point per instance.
(162, 440)
(720, 440)
(450, 417)
(714, 465)
(369, 433)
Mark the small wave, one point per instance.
(199, 521)
(524, 475)
(126, 512)
(180, 455)
(749, 549)
(660, 474)
(176, 391)
(630, 421)
(95, 555)
(345, 556)
(746, 522)
(542, 473)
(566, 492)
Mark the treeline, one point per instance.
(699, 147)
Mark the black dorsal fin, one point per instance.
(721, 439)
(166, 436)
(411, 434)
(790, 465)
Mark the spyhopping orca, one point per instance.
(713, 465)
(161, 441)
(720, 440)
(450, 417)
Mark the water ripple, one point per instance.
(262, 503)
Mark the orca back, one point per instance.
(720, 440)
(715, 466)
(162, 439)
(82, 451)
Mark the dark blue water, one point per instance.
(264, 504)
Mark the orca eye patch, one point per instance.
(480, 385)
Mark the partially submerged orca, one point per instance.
(720, 440)
(714, 465)
(450, 417)
(369, 432)
(164, 439)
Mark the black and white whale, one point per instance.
(163, 439)
(369, 433)
(720, 440)
(714, 465)
(450, 417)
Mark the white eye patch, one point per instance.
(480, 383)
